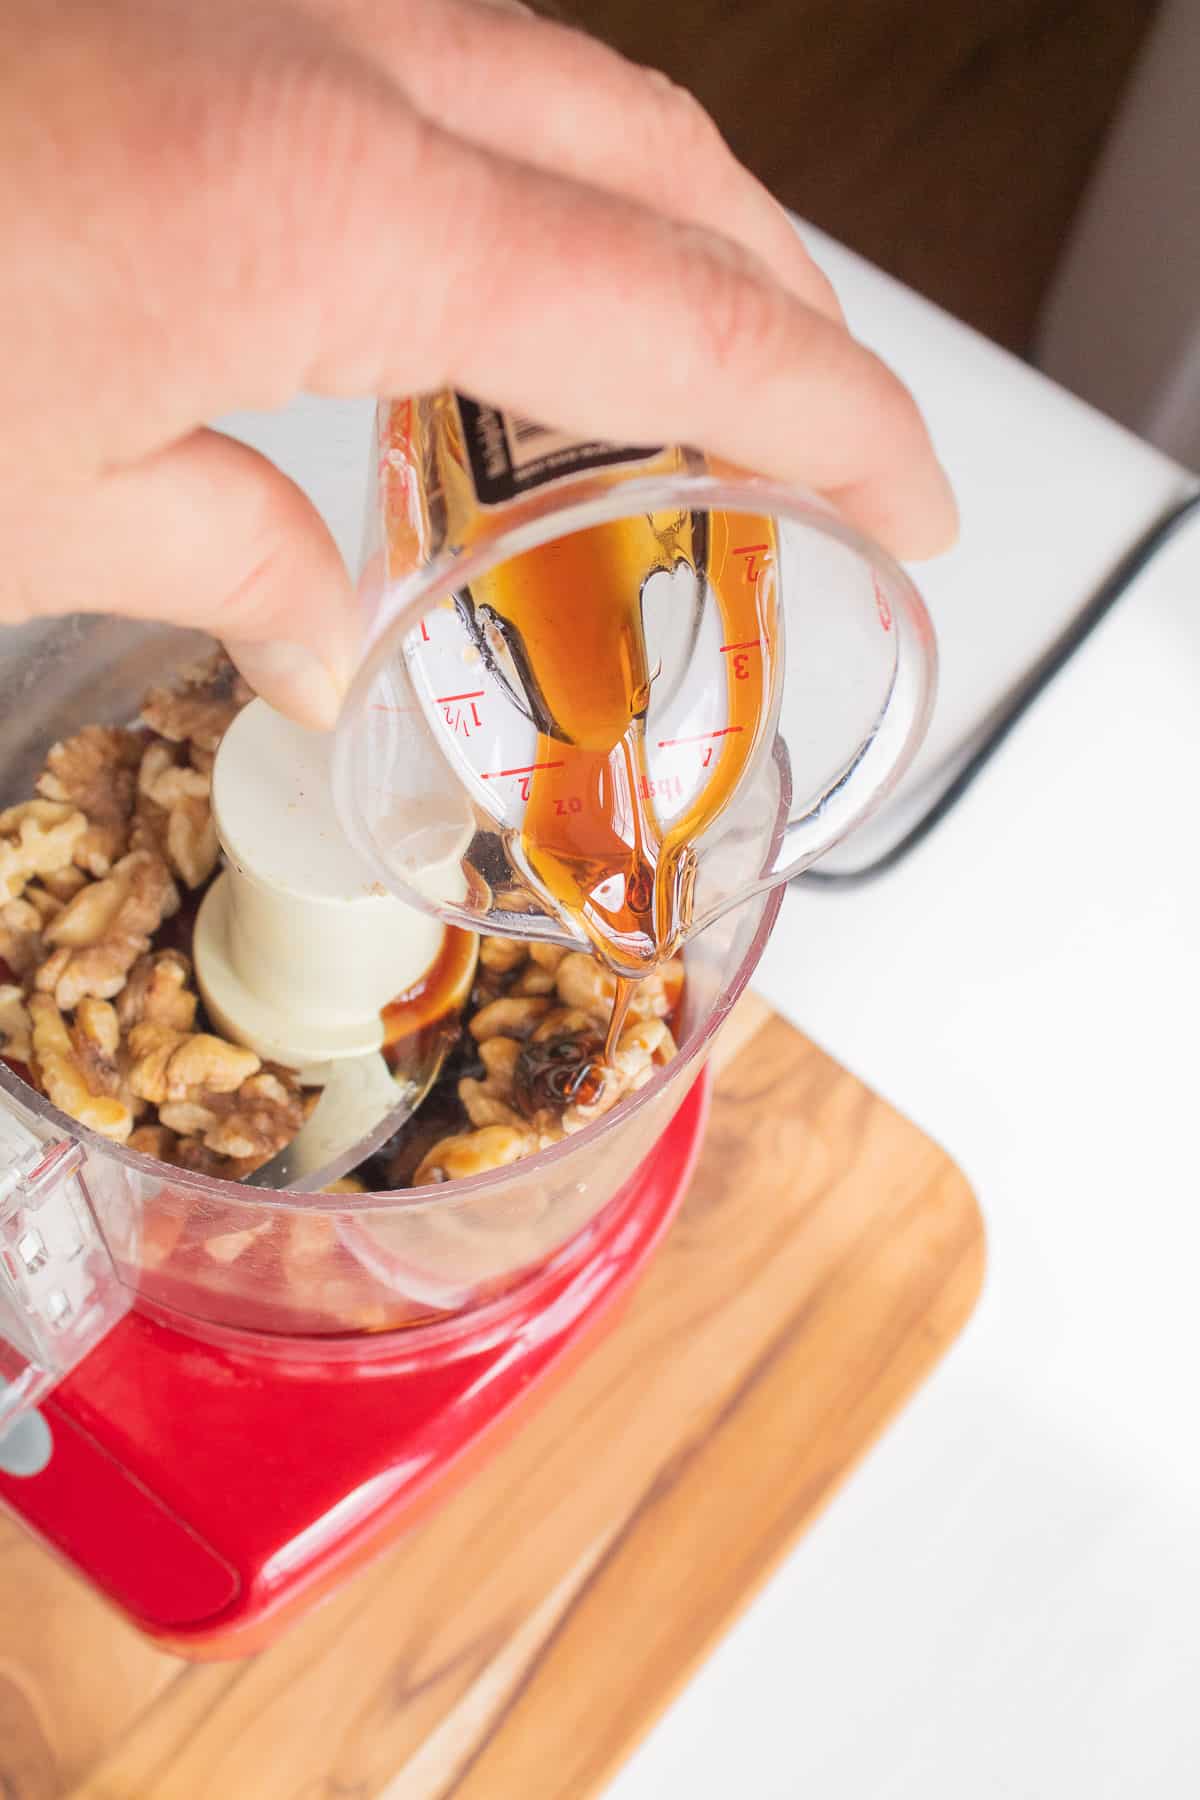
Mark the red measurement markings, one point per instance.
(750, 551)
(741, 657)
(666, 787)
(424, 632)
(523, 774)
(527, 769)
(700, 737)
(881, 604)
(459, 722)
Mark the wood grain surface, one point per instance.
(949, 141)
(521, 1641)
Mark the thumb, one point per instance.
(209, 534)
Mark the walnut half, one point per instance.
(175, 811)
(36, 838)
(58, 1066)
(15, 1039)
(99, 935)
(94, 772)
(201, 707)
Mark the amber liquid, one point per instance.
(591, 835)
(570, 613)
(427, 1014)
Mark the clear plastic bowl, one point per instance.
(210, 1255)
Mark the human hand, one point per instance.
(214, 207)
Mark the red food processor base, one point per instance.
(213, 1491)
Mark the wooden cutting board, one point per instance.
(517, 1645)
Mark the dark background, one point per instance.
(947, 140)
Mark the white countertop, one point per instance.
(1003, 1600)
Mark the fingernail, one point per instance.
(291, 678)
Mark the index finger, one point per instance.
(545, 93)
(581, 308)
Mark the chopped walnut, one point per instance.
(62, 1076)
(533, 980)
(643, 1045)
(507, 1018)
(94, 772)
(547, 956)
(21, 943)
(96, 1040)
(154, 1140)
(583, 982)
(189, 1118)
(96, 1025)
(167, 1065)
(149, 828)
(501, 954)
(484, 1108)
(193, 847)
(158, 991)
(130, 810)
(217, 1093)
(64, 884)
(499, 1056)
(23, 922)
(233, 1134)
(168, 781)
(267, 1112)
(99, 935)
(473, 1153)
(557, 1081)
(175, 812)
(541, 1013)
(561, 1081)
(200, 709)
(193, 1154)
(44, 903)
(36, 838)
(15, 1025)
(562, 1022)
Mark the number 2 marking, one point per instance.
(750, 551)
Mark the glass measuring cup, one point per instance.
(789, 674)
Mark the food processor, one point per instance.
(216, 1398)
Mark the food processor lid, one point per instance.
(59, 1289)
